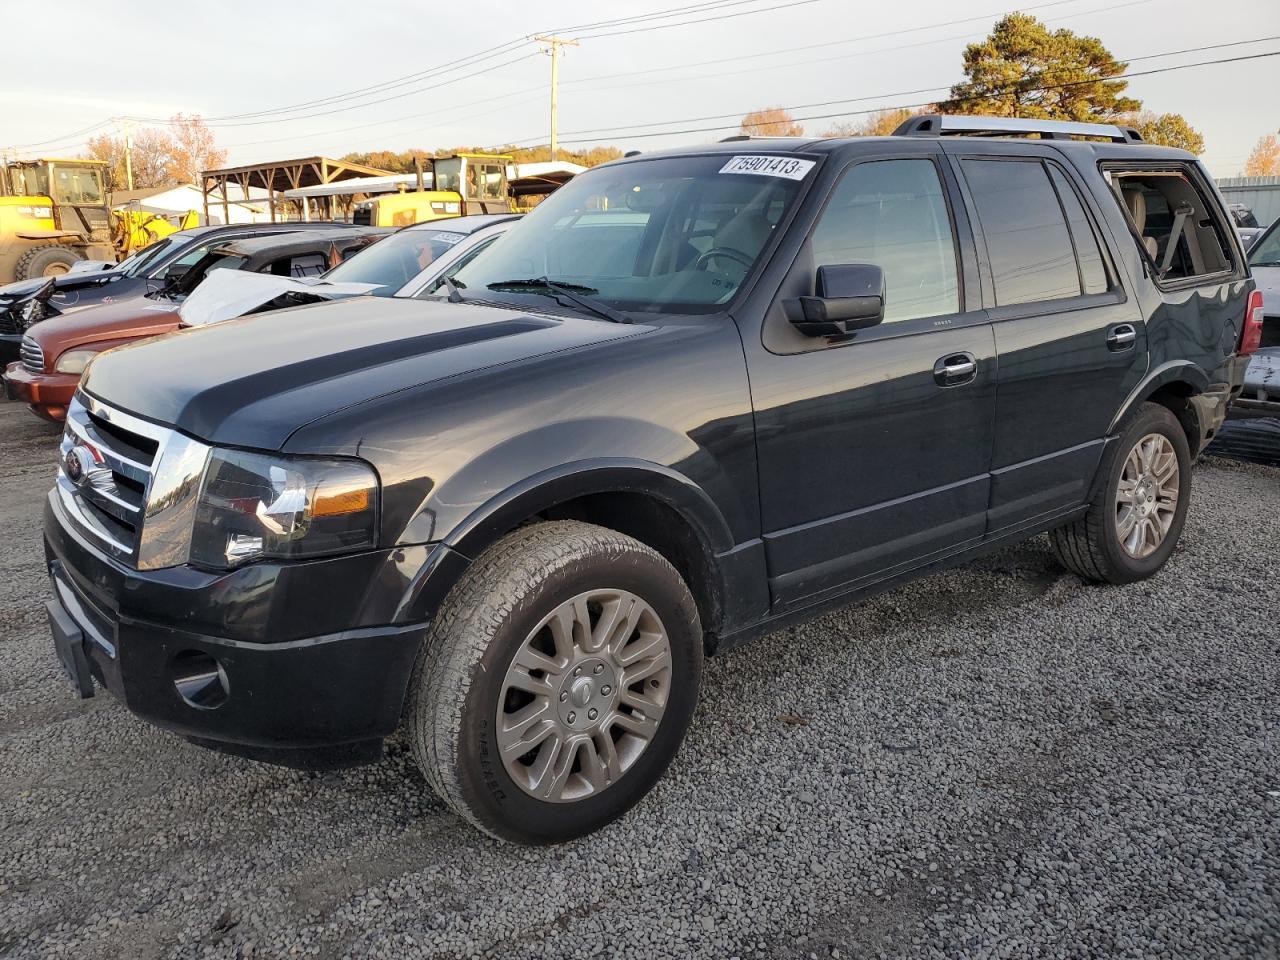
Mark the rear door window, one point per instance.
(1093, 270)
(1028, 243)
(1175, 224)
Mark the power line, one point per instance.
(834, 43)
(688, 23)
(517, 93)
(844, 56)
(461, 63)
(977, 98)
(830, 103)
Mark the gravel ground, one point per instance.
(999, 761)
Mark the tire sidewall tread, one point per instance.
(486, 616)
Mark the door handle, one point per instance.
(955, 369)
(1121, 337)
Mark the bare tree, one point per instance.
(149, 156)
(771, 122)
(882, 123)
(192, 148)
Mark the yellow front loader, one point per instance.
(462, 184)
(132, 230)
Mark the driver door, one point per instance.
(874, 449)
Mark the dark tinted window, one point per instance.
(1027, 239)
(1093, 273)
(892, 213)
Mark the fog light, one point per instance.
(200, 680)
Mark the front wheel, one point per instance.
(1136, 517)
(557, 682)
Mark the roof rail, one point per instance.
(951, 125)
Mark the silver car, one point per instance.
(1261, 394)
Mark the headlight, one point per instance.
(74, 361)
(254, 506)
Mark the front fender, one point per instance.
(33, 234)
(444, 562)
(568, 481)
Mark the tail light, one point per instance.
(1251, 338)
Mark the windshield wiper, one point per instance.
(447, 282)
(573, 292)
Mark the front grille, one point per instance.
(118, 473)
(32, 355)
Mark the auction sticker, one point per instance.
(790, 168)
(448, 238)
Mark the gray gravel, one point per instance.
(995, 762)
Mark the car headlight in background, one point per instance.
(74, 361)
(254, 506)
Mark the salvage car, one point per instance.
(27, 302)
(411, 262)
(1261, 394)
(56, 351)
(693, 397)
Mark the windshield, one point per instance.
(675, 235)
(77, 184)
(135, 263)
(393, 262)
(1266, 250)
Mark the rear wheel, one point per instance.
(557, 682)
(1137, 515)
(50, 260)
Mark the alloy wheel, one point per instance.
(584, 695)
(1147, 495)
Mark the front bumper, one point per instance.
(47, 393)
(10, 348)
(276, 662)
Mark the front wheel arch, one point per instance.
(652, 504)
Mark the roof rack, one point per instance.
(951, 125)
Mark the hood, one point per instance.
(226, 294)
(134, 317)
(63, 286)
(252, 382)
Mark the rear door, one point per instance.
(874, 449)
(1071, 341)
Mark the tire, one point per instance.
(461, 698)
(1092, 546)
(48, 260)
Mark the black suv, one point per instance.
(692, 397)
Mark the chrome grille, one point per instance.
(32, 355)
(117, 471)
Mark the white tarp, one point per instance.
(226, 294)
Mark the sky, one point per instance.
(152, 59)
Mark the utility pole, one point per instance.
(554, 44)
(126, 129)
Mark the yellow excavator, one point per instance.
(54, 214)
(462, 184)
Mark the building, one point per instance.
(176, 201)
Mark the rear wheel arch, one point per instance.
(1171, 385)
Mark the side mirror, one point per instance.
(850, 296)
